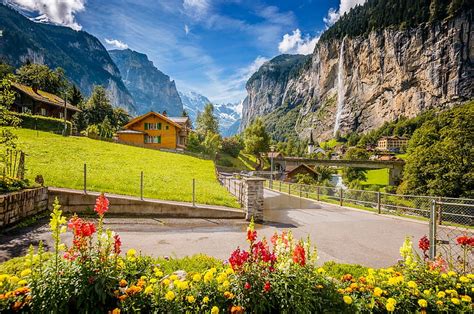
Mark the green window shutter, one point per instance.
(159, 126)
(146, 126)
(159, 139)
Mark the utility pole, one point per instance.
(65, 114)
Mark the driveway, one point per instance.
(340, 234)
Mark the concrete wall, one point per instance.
(73, 201)
(18, 205)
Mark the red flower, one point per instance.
(261, 252)
(267, 287)
(251, 235)
(424, 244)
(117, 244)
(238, 258)
(80, 227)
(247, 286)
(465, 241)
(299, 256)
(101, 204)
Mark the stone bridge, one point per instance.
(395, 166)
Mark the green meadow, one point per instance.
(115, 168)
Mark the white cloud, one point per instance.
(297, 44)
(186, 29)
(116, 43)
(344, 7)
(57, 11)
(196, 8)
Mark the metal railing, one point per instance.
(233, 184)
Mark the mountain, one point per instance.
(381, 61)
(151, 89)
(229, 115)
(85, 60)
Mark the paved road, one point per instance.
(340, 234)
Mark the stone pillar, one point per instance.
(395, 175)
(252, 201)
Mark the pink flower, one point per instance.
(238, 258)
(424, 244)
(101, 204)
(117, 244)
(267, 287)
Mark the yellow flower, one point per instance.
(221, 278)
(412, 284)
(213, 270)
(228, 295)
(444, 276)
(439, 303)
(153, 280)
(470, 276)
(214, 310)
(116, 311)
(321, 270)
(229, 271)
(378, 292)
(169, 295)
(466, 298)
(131, 253)
(62, 247)
(22, 282)
(347, 299)
(149, 289)
(183, 285)
(205, 300)
(451, 273)
(174, 277)
(422, 303)
(464, 279)
(392, 301)
(208, 276)
(441, 294)
(390, 307)
(197, 277)
(25, 272)
(190, 299)
(427, 292)
(226, 284)
(455, 301)
(14, 279)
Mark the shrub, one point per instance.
(231, 146)
(42, 123)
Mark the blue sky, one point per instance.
(209, 46)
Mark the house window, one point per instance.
(43, 111)
(61, 115)
(25, 109)
(152, 139)
(167, 127)
(158, 126)
(152, 126)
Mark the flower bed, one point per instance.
(278, 275)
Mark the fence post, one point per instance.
(280, 186)
(439, 213)
(85, 178)
(194, 192)
(318, 189)
(340, 196)
(289, 188)
(378, 203)
(300, 190)
(141, 185)
(433, 230)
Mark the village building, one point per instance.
(300, 169)
(392, 143)
(37, 102)
(157, 131)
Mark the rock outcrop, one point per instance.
(151, 89)
(385, 75)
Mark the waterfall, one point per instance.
(340, 89)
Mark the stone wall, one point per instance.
(18, 205)
(252, 198)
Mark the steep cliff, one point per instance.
(82, 56)
(357, 83)
(151, 89)
(268, 86)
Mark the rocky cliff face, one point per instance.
(151, 89)
(356, 84)
(84, 59)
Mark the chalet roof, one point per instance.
(274, 154)
(180, 120)
(152, 113)
(304, 166)
(129, 131)
(395, 137)
(43, 96)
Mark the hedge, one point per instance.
(42, 123)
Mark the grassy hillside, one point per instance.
(115, 168)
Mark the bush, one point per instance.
(276, 276)
(42, 123)
(231, 146)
